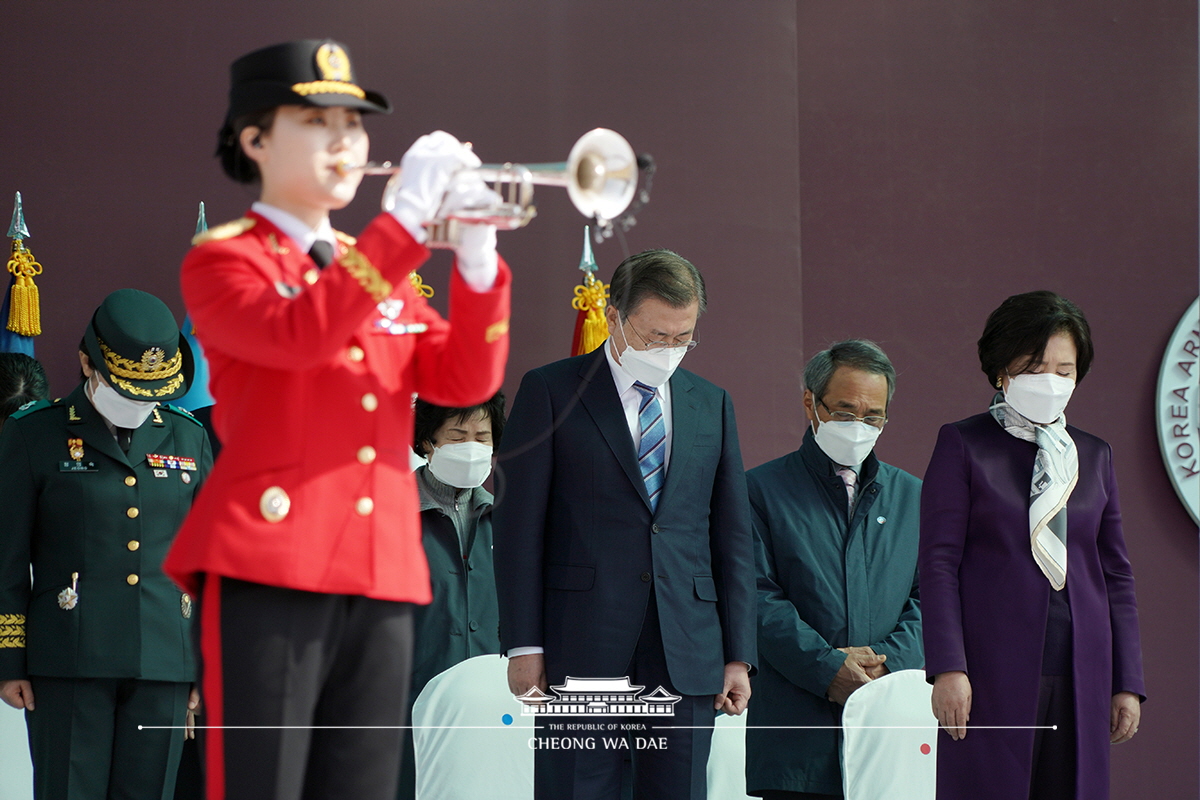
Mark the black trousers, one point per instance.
(1053, 775)
(325, 676)
(85, 741)
(669, 763)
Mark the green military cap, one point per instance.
(134, 343)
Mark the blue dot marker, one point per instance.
(506, 719)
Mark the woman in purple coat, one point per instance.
(1027, 594)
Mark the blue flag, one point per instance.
(12, 342)
(197, 395)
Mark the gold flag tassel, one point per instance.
(590, 299)
(24, 313)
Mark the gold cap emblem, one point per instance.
(333, 63)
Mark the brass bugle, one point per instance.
(600, 176)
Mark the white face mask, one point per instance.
(846, 443)
(651, 367)
(1040, 398)
(463, 465)
(118, 409)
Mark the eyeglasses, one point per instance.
(846, 416)
(687, 346)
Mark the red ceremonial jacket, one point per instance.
(314, 374)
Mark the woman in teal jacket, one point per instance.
(456, 528)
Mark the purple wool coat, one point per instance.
(985, 602)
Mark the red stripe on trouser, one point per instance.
(213, 687)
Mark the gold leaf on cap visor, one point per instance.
(162, 391)
(328, 87)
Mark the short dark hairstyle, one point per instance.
(854, 353)
(659, 273)
(22, 380)
(234, 160)
(428, 418)
(1021, 327)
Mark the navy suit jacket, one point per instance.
(577, 547)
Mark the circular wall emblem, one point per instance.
(1178, 407)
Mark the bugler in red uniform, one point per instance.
(331, 509)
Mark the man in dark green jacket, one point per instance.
(456, 527)
(836, 534)
(98, 650)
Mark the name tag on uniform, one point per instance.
(170, 462)
(77, 466)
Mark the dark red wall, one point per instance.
(873, 168)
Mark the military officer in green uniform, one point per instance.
(98, 650)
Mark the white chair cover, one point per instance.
(898, 762)
(16, 770)
(464, 750)
(727, 759)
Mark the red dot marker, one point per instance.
(925, 749)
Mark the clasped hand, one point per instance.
(862, 665)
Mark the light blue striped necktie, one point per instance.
(652, 448)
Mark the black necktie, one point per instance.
(123, 437)
(321, 252)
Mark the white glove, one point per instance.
(415, 193)
(476, 245)
(468, 192)
(476, 256)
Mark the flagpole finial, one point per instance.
(24, 301)
(201, 222)
(17, 229)
(587, 261)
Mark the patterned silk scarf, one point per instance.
(1055, 472)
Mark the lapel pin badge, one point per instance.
(68, 598)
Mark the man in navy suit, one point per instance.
(623, 545)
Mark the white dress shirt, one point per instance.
(295, 229)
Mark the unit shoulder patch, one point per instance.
(182, 412)
(31, 407)
(227, 230)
